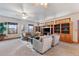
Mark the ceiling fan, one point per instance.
(23, 14)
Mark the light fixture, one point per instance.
(24, 15)
(44, 5)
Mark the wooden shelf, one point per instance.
(57, 28)
(65, 28)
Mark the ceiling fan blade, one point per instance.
(23, 12)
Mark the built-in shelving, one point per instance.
(65, 28)
(57, 28)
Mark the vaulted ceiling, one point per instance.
(37, 12)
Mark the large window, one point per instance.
(12, 28)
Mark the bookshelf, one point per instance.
(57, 28)
(66, 34)
(65, 28)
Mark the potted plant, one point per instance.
(2, 29)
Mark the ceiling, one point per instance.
(37, 12)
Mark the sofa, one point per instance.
(42, 44)
(55, 38)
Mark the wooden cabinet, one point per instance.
(62, 37)
(66, 38)
(66, 31)
(64, 28)
(69, 38)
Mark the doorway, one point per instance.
(30, 28)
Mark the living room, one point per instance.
(36, 29)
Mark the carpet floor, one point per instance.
(17, 47)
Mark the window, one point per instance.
(12, 28)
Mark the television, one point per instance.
(46, 30)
